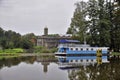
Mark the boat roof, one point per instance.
(68, 41)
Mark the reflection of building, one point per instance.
(50, 41)
(45, 60)
(45, 66)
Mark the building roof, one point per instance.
(68, 41)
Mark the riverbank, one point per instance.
(37, 49)
(11, 55)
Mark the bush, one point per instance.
(15, 50)
(40, 49)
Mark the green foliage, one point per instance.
(115, 53)
(53, 50)
(78, 26)
(26, 44)
(53, 35)
(10, 39)
(98, 23)
(40, 49)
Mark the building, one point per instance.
(50, 40)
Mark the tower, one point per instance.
(45, 31)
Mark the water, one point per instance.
(39, 68)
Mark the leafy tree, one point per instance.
(93, 22)
(26, 44)
(30, 37)
(116, 26)
(11, 39)
(3, 43)
(78, 23)
(102, 25)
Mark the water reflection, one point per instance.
(40, 68)
(31, 68)
(105, 71)
(9, 62)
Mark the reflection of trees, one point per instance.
(15, 61)
(106, 71)
(44, 59)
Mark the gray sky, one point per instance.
(26, 16)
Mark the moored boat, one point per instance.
(71, 51)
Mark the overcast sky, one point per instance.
(26, 16)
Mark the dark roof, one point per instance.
(68, 41)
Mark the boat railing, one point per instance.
(73, 45)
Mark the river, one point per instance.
(40, 68)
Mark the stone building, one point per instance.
(50, 41)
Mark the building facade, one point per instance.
(50, 41)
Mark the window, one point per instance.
(71, 61)
(76, 60)
(81, 60)
(87, 60)
(92, 60)
(71, 48)
(91, 49)
(76, 49)
(81, 49)
(87, 49)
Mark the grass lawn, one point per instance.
(11, 51)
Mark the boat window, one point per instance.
(92, 60)
(81, 49)
(71, 48)
(81, 60)
(87, 60)
(76, 60)
(87, 49)
(76, 49)
(91, 49)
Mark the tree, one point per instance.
(3, 43)
(13, 39)
(30, 37)
(93, 22)
(78, 22)
(26, 44)
(116, 26)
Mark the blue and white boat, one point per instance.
(70, 52)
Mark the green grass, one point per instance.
(11, 51)
(115, 53)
